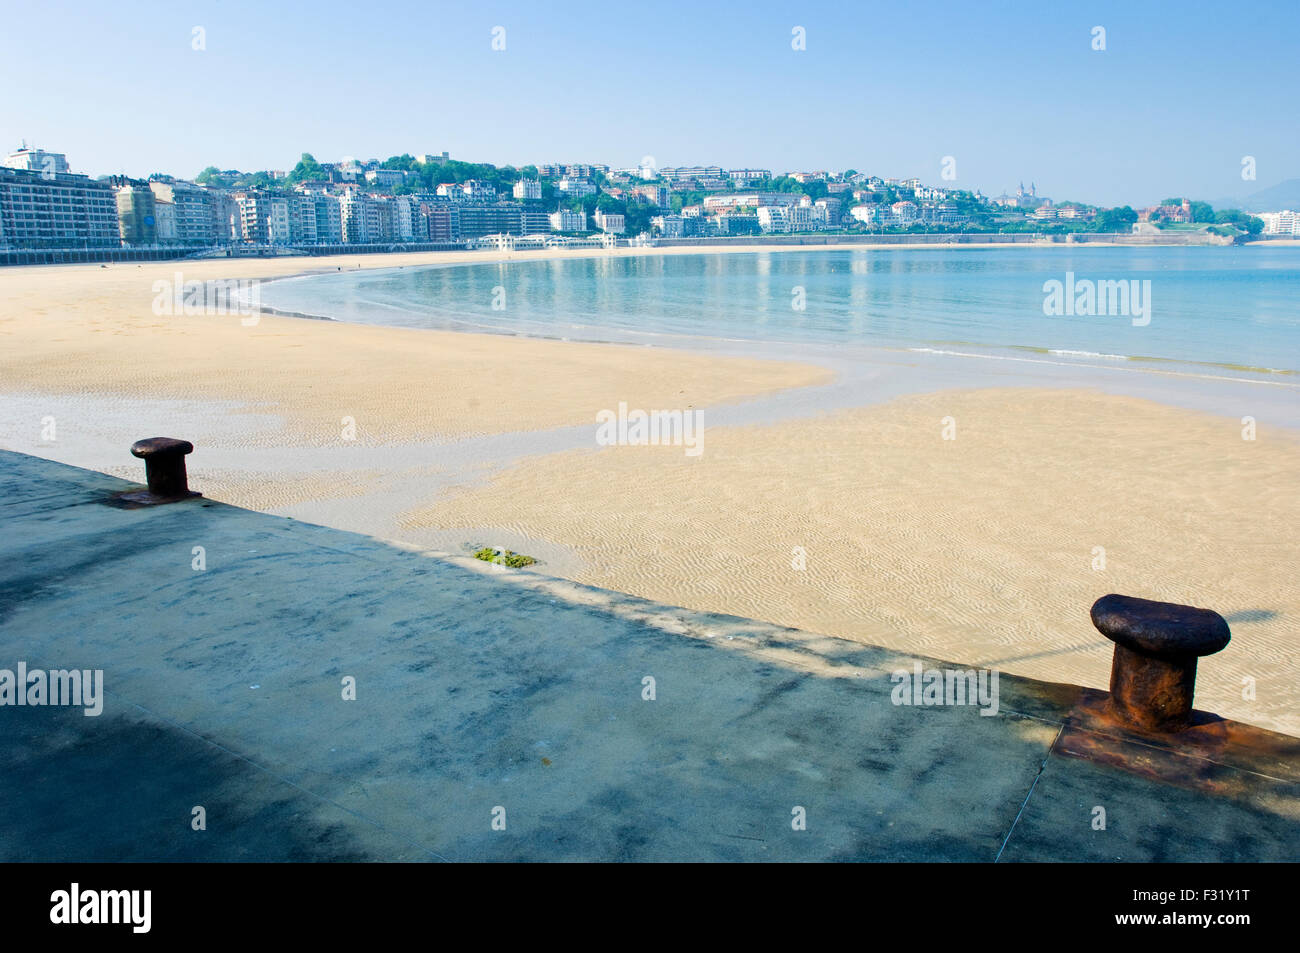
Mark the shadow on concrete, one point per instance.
(126, 790)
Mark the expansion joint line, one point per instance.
(1029, 793)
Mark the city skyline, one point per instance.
(1008, 94)
(1255, 187)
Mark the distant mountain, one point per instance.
(1284, 195)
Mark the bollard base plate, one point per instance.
(134, 499)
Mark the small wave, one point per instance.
(1097, 354)
(1262, 371)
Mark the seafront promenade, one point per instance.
(325, 695)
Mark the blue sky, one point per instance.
(1011, 90)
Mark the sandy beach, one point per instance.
(863, 523)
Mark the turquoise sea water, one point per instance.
(1231, 307)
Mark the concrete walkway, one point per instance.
(487, 694)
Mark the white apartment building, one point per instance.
(528, 190)
(476, 191)
(1281, 223)
(1073, 211)
(576, 187)
(717, 203)
(774, 218)
(806, 217)
(688, 173)
(866, 214)
(834, 210)
(226, 225)
(669, 226)
(194, 211)
(329, 219)
(254, 212)
(59, 211)
(404, 214)
(302, 219)
(533, 222)
(360, 218)
(471, 190)
(903, 213)
(566, 220)
(573, 170)
(38, 160)
(277, 222)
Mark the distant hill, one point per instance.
(1284, 195)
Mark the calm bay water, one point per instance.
(1230, 307)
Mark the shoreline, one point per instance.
(1178, 367)
(469, 256)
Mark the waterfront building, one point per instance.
(192, 207)
(866, 214)
(226, 219)
(904, 213)
(360, 218)
(302, 219)
(1285, 222)
(329, 219)
(501, 218)
(164, 214)
(669, 226)
(611, 223)
(774, 218)
(566, 220)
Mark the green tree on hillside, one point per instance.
(1233, 216)
(404, 163)
(211, 176)
(307, 170)
(1118, 219)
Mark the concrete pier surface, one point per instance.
(504, 715)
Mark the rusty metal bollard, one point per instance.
(164, 468)
(1153, 674)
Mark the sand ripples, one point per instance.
(980, 549)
